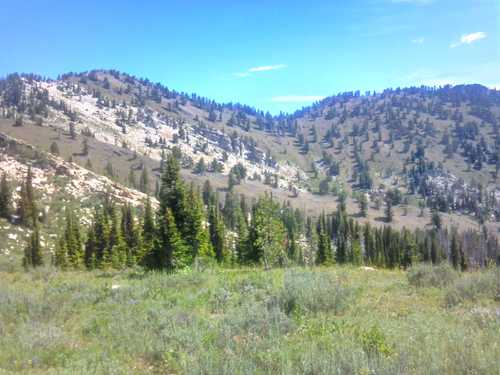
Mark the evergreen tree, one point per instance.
(207, 194)
(85, 147)
(109, 170)
(100, 237)
(324, 252)
(241, 245)
(148, 229)
(129, 234)
(436, 220)
(54, 149)
(61, 254)
(90, 250)
(131, 178)
(363, 205)
(194, 231)
(455, 255)
(170, 251)
(173, 192)
(388, 208)
(200, 167)
(5, 197)
(33, 250)
(267, 234)
(27, 209)
(217, 235)
(144, 181)
(71, 241)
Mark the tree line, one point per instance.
(190, 225)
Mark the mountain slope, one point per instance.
(438, 146)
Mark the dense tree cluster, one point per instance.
(191, 226)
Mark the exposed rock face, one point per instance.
(147, 130)
(81, 184)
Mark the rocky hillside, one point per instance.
(57, 184)
(423, 147)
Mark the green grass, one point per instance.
(338, 320)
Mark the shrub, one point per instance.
(472, 286)
(311, 291)
(426, 275)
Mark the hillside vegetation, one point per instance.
(438, 147)
(337, 320)
(143, 230)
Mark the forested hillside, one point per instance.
(385, 179)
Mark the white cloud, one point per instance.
(486, 74)
(469, 38)
(420, 40)
(417, 2)
(267, 68)
(259, 69)
(296, 98)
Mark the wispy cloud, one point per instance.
(469, 38)
(486, 74)
(296, 98)
(259, 69)
(417, 2)
(266, 68)
(420, 40)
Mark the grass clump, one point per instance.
(427, 275)
(472, 286)
(311, 291)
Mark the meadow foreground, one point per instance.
(335, 320)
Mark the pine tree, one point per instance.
(144, 181)
(267, 234)
(54, 149)
(200, 167)
(148, 231)
(99, 237)
(130, 235)
(33, 251)
(324, 255)
(72, 240)
(109, 170)
(60, 254)
(90, 250)
(242, 240)
(131, 178)
(27, 210)
(230, 209)
(170, 251)
(455, 255)
(194, 232)
(436, 220)
(207, 193)
(85, 147)
(363, 205)
(5, 197)
(388, 208)
(172, 192)
(88, 165)
(217, 236)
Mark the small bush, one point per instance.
(310, 291)
(374, 342)
(472, 286)
(426, 275)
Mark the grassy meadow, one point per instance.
(335, 320)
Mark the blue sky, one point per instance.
(274, 55)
